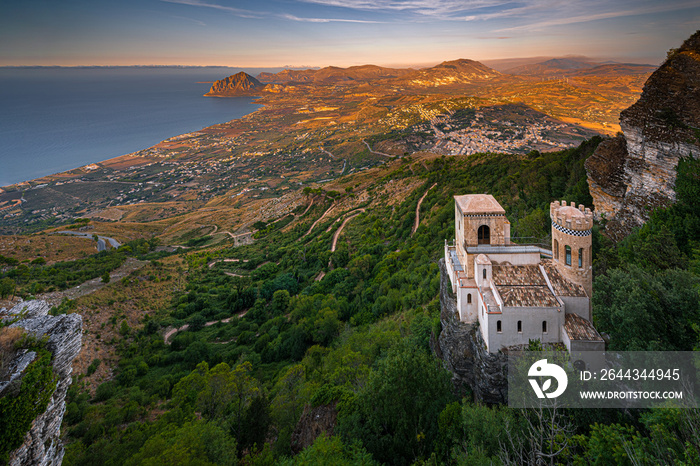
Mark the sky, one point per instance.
(300, 33)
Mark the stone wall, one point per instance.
(464, 353)
(42, 445)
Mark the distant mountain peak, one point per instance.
(238, 84)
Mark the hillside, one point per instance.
(333, 74)
(569, 67)
(238, 84)
(326, 315)
(279, 274)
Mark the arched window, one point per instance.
(580, 258)
(498, 326)
(520, 326)
(484, 234)
(544, 326)
(567, 260)
(484, 274)
(469, 298)
(556, 250)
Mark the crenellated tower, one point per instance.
(572, 242)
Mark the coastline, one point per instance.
(56, 120)
(121, 160)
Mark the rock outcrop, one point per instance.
(42, 445)
(236, 85)
(634, 173)
(314, 422)
(463, 350)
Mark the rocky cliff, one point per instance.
(42, 445)
(635, 172)
(235, 85)
(314, 422)
(463, 350)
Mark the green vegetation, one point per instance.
(24, 402)
(647, 285)
(292, 327)
(26, 280)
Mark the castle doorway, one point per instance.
(484, 235)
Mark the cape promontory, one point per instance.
(635, 172)
(238, 84)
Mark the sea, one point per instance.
(57, 119)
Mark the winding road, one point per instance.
(416, 223)
(101, 240)
(347, 219)
(319, 219)
(377, 153)
(169, 332)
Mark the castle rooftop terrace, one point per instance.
(508, 249)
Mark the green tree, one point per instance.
(196, 443)
(645, 312)
(396, 414)
(332, 452)
(280, 302)
(7, 287)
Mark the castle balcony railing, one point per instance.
(512, 248)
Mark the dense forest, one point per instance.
(291, 328)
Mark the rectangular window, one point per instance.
(567, 260)
(498, 326)
(580, 258)
(520, 326)
(544, 326)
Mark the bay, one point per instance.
(57, 119)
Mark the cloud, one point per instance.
(326, 20)
(542, 13)
(420, 9)
(236, 11)
(584, 18)
(259, 15)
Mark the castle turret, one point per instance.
(572, 242)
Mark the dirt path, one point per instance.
(213, 263)
(326, 152)
(417, 221)
(172, 331)
(55, 297)
(377, 153)
(347, 219)
(319, 219)
(307, 209)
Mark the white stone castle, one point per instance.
(517, 292)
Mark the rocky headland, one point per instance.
(62, 335)
(239, 84)
(635, 172)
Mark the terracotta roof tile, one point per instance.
(578, 328)
(562, 286)
(527, 296)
